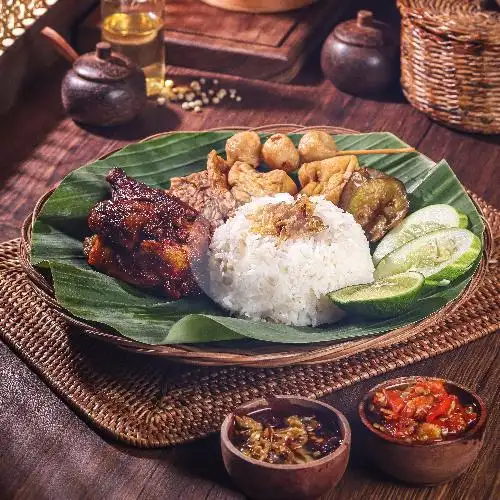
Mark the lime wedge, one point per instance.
(382, 299)
(440, 255)
(423, 221)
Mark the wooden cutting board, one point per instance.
(261, 46)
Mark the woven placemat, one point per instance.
(148, 402)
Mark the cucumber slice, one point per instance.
(423, 221)
(440, 255)
(382, 299)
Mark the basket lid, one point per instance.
(469, 20)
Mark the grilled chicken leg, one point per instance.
(146, 237)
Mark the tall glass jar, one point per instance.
(135, 29)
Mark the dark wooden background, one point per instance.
(250, 45)
(47, 452)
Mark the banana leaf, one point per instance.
(61, 227)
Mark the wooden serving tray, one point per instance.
(259, 5)
(261, 46)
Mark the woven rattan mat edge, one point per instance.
(147, 402)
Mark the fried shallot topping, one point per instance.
(279, 439)
(287, 220)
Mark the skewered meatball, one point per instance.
(280, 153)
(316, 145)
(245, 147)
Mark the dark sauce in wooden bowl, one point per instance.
(285, 438)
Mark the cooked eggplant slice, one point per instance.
(376, 200)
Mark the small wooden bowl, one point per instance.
(272, 481)
(426, 463)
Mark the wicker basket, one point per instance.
(450, 61)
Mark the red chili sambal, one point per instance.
(421, 412)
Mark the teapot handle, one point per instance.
(60, 44)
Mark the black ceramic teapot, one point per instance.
(103, 88)
(361, 56)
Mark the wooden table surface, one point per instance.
(46, 451)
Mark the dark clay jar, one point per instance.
(360, 56)
(103, 88)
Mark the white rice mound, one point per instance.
(261, 278)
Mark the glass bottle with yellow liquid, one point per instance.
(135, 29)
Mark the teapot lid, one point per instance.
(364, 31)
(103, 65)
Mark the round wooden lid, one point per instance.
(103, 65)
(364, 31)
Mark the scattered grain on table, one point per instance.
(197, 95)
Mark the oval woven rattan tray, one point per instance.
(252, 354)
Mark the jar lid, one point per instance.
(103, 65)
(364, 31)
(469, 21)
